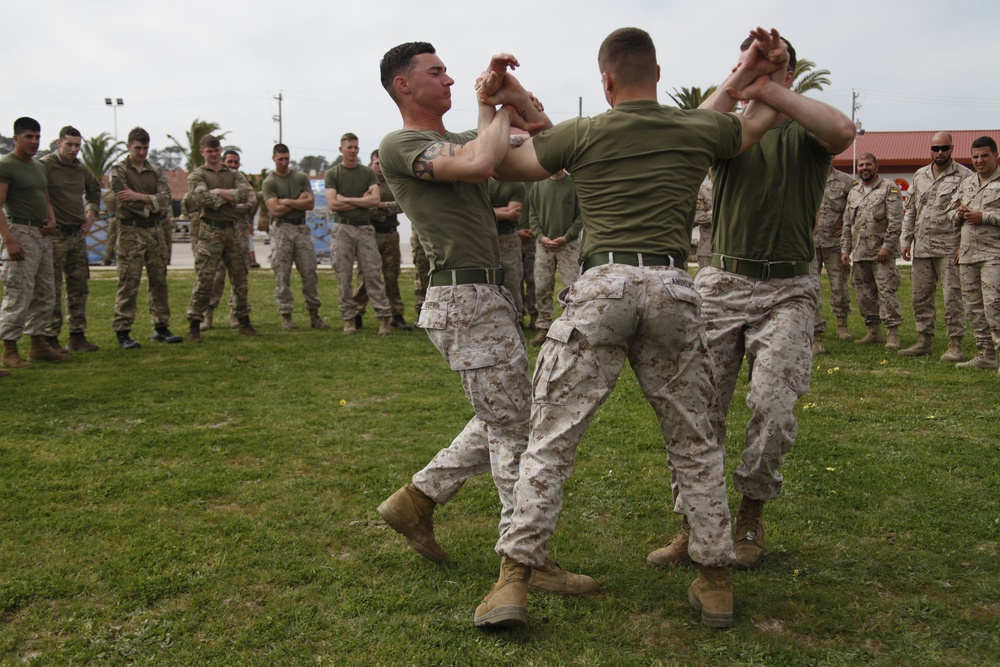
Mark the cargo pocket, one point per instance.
(552, 382)
(433, 315)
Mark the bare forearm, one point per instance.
(831, 128)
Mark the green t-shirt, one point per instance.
(555, 209)
(26, 186)
(637, 170)
(502, 194)
(766, 199)
(353, 182)
(454, 221)
(289, 186)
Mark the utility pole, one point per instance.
(580, 112)
(855, 106)
(277, 118)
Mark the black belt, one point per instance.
(505, 229)
(384, 229)
(286, 221)
(634, 259)
(219, 224)
(467, 277)
(761, 269)
(68, 230)
(354, 222)
(28, 222)
(137, 222)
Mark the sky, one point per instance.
(915, 65)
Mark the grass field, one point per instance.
(215, 505)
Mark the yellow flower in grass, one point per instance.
(831, 469)
(343, 402)
(808, 406)
(883, 362)
(835, 369)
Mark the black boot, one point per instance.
(163, 335)
(399, 323)
(125, 342)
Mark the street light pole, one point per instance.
(114, 104)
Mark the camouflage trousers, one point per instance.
(925, 274)
(388, 250)
(567, 259)
(140, 247)
(650, 316)
(704, 249)
(168, 239)
(111, 240)
(875, 285)
(981, 294)
(219, 283)
(357, 244)
(28, 285)
(770, 322)
(293, 244)
(423, 269)
(474, 329)
(70, 259)
(836, 273)
(528, 292)
(219, 246)
(510, 260)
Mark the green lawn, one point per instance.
(215, 505)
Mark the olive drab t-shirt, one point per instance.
(353, 182)
(289, 186)
(637, 170)
(454, 221)
(26, 186)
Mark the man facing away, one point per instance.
(439, 178)
(217, 190)
(637, 169)
(873, 221)
(351, 193)
(143, 200)
(70, 182)
(930, 239)
(288, 195)
(27, 225)
(759, 295)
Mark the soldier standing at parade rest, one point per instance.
(976, 207)
(439, 178)
(218, 190)
(930, 239)
(826, 238)
(384, 218)
(288, 195)
(508, 200)
(27, 225)
(143, 199)
(351, 193)
(70, 181)
(636, 169)
(873, 222)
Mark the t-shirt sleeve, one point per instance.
(372, 178)
(553, 146)
(330, 179)
(730, 135)
(5, 173)
(268, 190)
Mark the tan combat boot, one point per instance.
(874, 335)
(748, 538)
(712, 594)
(923, 346)
(3, 372)
(12, 358)
(234, 322)
(892, 339)
(986, 360)
(206, 324)
(817, 345)
(78, 343)
(843, 333)
(286, 322)
(954, 351)
(350, 328)
(316, 322)
(540, 337)
(552, 578)
(410, 512)
(41, 350)
(676, 550)
(244, 327)
(384, 326)
(506, 605)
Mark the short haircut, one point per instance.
(138, 134)
(26, 124)
(373, 155)
(397, 60)
(230, 152)
(349, 136)
(280, 149)
(69, 131)
(209, 141)
(629, 55)
(870, 156)
(792, 60)
(985, 142)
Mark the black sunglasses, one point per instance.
(940, 149)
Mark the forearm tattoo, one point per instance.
(517, 140)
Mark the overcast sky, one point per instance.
(917, 65)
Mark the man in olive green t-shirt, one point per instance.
(508, 201)
(26, 231)
(759, 297)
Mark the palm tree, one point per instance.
(100, 152)
(806, 80)
(199, 129)
(690, 98)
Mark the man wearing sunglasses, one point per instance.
(930, 239)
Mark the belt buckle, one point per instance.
(765, 272)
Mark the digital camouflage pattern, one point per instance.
(28, 285)
(826, 237)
